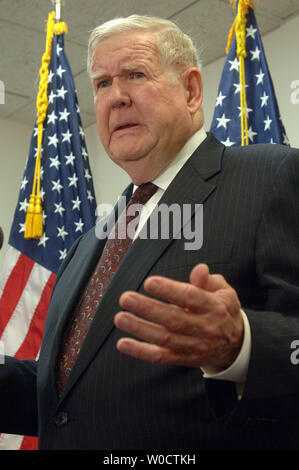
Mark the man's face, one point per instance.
(141, 111)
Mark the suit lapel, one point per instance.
(190, 186)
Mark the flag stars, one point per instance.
(70, 159)
(59, 209)
(87, 174)
(53, 140)
(238, 87)
(84, 152)
(64, 115)
(89, 196)
(264, 100)
(57, 186)
(63, 254)
(228, 143)
(22, 227)
(250, 31)
(255, 55)
(223, 121)
(248, 110)
(51, 97)
(73, 180)
(61, 92)
(42, 193)
(67, 136)
(76, 203)
(60, 71)
(219, 99)
(260, 77)
(79, 226)
(55, 162)
(52, 118)
(24, 183)
(61, 232)
(251, 133)
(43, 240)
(235, 64)
(58, 49)
(50, 76)
(23, 205)
(267, 123)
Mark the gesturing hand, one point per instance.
(199, 325)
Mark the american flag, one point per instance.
(264, 121)
(69, 207)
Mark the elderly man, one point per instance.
(148, 344)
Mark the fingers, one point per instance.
(173, 317)
(153, 353)
(158, 334)
(182, 294)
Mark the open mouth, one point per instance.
(126, 126)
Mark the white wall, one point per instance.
(281, 49)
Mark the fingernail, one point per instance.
(130, 302)
(153, 285)
(124, 322)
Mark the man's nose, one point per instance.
(118, 94)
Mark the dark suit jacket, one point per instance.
(250, 235)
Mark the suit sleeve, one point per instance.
(18, 400)
(271, 372)
(271, 390)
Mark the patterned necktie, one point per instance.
(112, 255)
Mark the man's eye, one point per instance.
(102, 84)
(137, 75)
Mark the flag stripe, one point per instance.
(10, 441)
(14, 288)
(20, 320)
(29, 443)
(10, 260)
(31, 344)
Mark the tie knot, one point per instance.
(143, 193)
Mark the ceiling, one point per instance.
(22, 39)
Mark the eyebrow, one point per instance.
(126, 67)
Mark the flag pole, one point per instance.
(57, 5)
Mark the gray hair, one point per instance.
(175, 47)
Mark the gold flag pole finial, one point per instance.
(239, 29)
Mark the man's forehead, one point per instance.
(125, 49)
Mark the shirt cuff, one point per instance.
(237, 371)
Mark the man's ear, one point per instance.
(192, 81)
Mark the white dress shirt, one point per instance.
(237, 371)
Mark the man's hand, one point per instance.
(201, 326)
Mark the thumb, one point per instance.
(200, 277)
